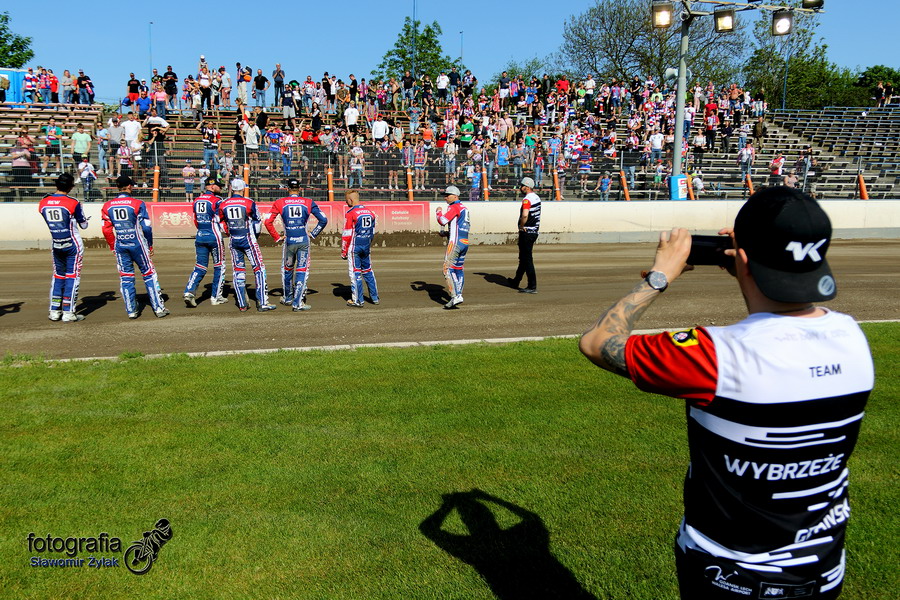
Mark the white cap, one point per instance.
(201, 56)
(451, 189)
(527, 182)
(238, 185)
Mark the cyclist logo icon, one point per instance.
(140, 555)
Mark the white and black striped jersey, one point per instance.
(775, 409)
(532, 203)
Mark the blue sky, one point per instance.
(110, 39)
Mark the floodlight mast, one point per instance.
(687, 16)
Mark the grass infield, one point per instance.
(482, 471)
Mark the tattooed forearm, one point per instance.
(604, 343)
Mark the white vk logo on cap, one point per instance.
(801, 251)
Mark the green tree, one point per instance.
(615, 38)
(15, 50)
(418, 50)
(765, 69)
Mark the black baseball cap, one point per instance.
(786, 234)
(123, 181)
(213, 181)
(293, 183)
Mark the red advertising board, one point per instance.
(175, 219)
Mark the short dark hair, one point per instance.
(65, 182)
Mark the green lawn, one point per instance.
(346, 474)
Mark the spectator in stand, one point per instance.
(243, 80)
(132, 130)
(170, 86)
(211, 138)
(204, 82)
(251, 133)
(52, 145)
(87, 175)
(746, 157)
(776, 169)
(408, 82)
(656, 142)
(160, 99)
(791, 180)
(351, 118)
(260, 85)
(54, 86)
(85, 89)
(357, 164)
(131, 88)
(81, 145)
(67, 82)
(726, 131)
(21, 164)
(712, 126)
(278, 80)
(225, 88)
(102, 140)
(697, 183)
(116, 134)
(189, 174)
(420, 162)
(759, 133)
(143, 104)
(30, 85)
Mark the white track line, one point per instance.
(336, 347)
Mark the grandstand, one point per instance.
(845, 141)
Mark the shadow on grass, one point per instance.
(437, 293)
(515, 562)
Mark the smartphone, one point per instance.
(710, 250)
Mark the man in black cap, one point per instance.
(774, 406)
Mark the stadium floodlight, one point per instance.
(723, 18)
(663, 12)
(782, 22)
(813, 4)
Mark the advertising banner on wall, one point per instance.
(175, 219)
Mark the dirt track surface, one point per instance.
(575, 282)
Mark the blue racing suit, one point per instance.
(295, 212)
(62, 212)
(356, 243)
(241, 220)
(126, 227)
(457, 216)
(207, 243)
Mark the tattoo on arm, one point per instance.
(617, 323)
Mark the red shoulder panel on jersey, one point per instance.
(681, 364)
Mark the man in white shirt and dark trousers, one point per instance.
(529, 226)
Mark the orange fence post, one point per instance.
(329, 174)
(556, 185)
(624, 182)
(156, 183)
(409, 188)
(690, 186)
(863, 192)
(749, 183)
(246, 175)
(485, 183)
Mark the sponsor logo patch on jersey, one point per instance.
(464, 241)
(685, 338)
